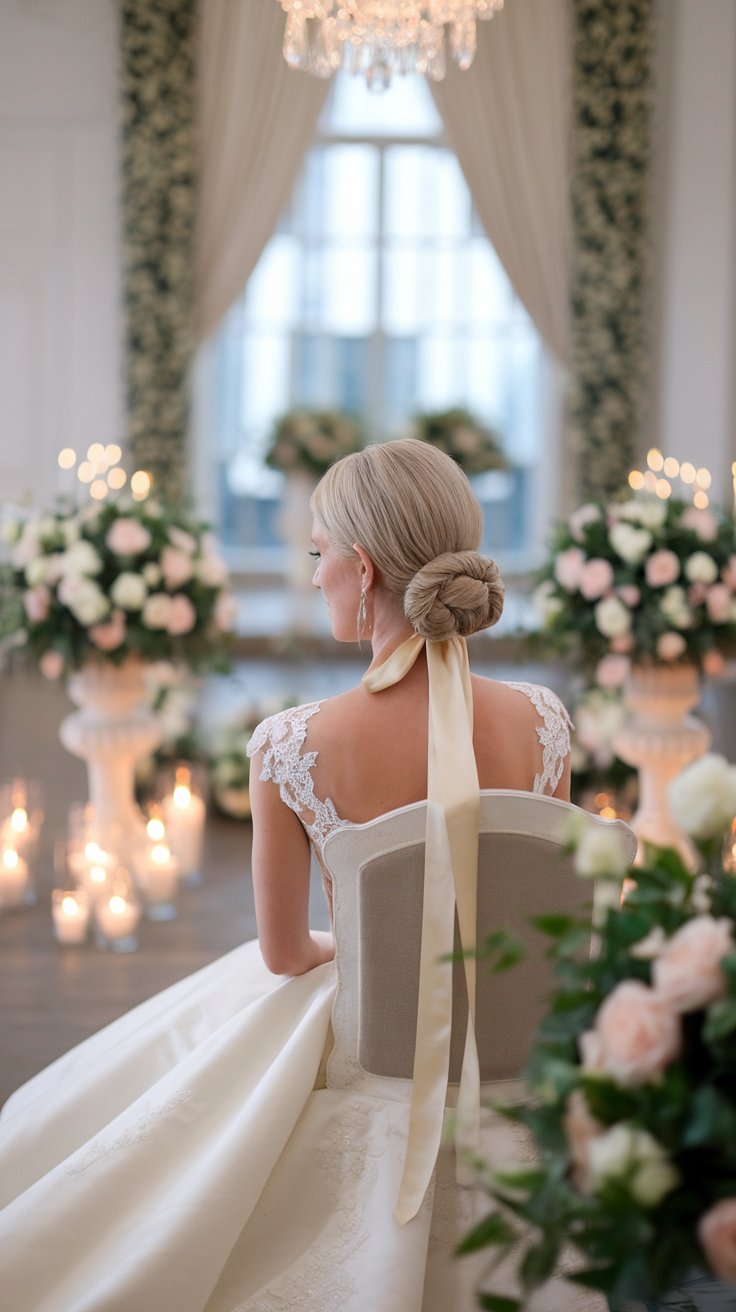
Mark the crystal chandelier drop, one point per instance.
(379, 37)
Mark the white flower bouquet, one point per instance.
(646, 581)
(108, 581)
(633, 1073)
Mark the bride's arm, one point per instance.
(281, 860)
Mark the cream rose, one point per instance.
(687, 972)
(703, 796)
(630, 543)
(612, 617)
(670, 646)
(624, 1153)
(157, 610)
(81, 558)
(587, 514)
(545, 604)
(129, 591)
(674, 607)
(601, 852)
(717, 1234)
(701, 522)
(638, 1034)
(701, 568)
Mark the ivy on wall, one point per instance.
(157, 40)
(612, 88)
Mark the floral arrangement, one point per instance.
(111, 580)
(600, 780)
(460, 435)
(633, 1072)
(310, 441)
(643, 581)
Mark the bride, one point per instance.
(193, 1156)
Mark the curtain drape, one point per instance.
(256, 119)
(508, 120)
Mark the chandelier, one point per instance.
(380, 37)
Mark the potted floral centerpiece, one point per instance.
(632, 1115)
(460, 435)
(98, 593)
(304, 445)
(643, 594)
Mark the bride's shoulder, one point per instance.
(519, 701)
(285, 727)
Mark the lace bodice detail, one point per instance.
(281, 738)
(554, 734)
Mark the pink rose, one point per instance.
(580, 1128)
(622, 643)
(36, 602)
(728, 573)
(612, 671)
(718, 601)
(127, 537)
(51, 664)
(670, 646)
(638, 1033)
(176, 566)
(701, 522)
(596, 578)
(687, 974)
(696, 593)
(568, 568)
(662, 568)
(182, 615)
(713, 663)
(580, 518)
(111, 635)
(717, 1235)
(629, 594)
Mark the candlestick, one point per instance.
(157, 871)
(117, 918)
(13, 879)
(184, 816)
(71, 910)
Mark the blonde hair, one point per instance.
(413, 510)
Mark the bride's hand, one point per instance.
(324, 943)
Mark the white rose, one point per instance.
(675, 608)
(70, 531)
(631, 544)
(587, 514)
(152, 574)
(636, 1157)
(82, 558)
(545, 604)
(157, 610)
(9, 531)
(84, 599)
(650, 511)
(612, 618)
(701, 568)
(703, 796)
(129, 591)
(35, 571)
(26, 549)
(602, 852)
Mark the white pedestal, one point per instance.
(295, 527)
(660, 739)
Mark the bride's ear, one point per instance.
(367, 568)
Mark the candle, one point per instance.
(13, 879)
(158, 876)
(93, 869)
(70, 910)
(184, 816)
(117, 918)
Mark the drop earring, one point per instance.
(361, 615)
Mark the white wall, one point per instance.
(697, 236)
(60, 307)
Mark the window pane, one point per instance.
(405, 109)
(400, 290)
(349, 290)
(351, 191)
(273, 289)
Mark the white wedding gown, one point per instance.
(192, 1157)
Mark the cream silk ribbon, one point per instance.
(450, 880)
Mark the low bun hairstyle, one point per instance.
(412, 509)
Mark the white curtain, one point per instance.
(256, 118)
(508, 120)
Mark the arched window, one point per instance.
(379, 293)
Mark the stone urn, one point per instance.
(659, 739)
(295, 528)
(112, 729)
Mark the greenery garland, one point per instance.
(612, 83)
(157, 43)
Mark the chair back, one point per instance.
(377, 871)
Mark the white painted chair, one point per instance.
(377, 872)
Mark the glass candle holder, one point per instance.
(21, 818)
(14, 879)
(70, 909)
(157, 876)
(183, 811)
(117, 917)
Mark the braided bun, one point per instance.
(454, 595)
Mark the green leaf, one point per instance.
(539, 1262)
(510, 951)
(492, 1231)
(528, 1181)
(713, 1119)
(553, 926)
(720, 1019)
(494, 1303)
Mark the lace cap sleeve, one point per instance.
(553, 733)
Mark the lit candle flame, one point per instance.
(160, 854)
(69, 906)
(182, 797)
(155, 828)
(18, 820)
(98, 874)
(93, 852)
(117, 905)
(10, 858)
